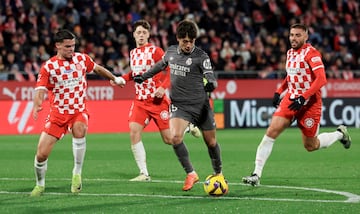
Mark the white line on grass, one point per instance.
(351, 198)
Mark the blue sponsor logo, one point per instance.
(68, 71)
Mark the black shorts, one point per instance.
(200, 115)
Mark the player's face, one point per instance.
(65, 49)
(141, 36)
(297, 37)
(186, 44)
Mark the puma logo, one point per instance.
(9, 93)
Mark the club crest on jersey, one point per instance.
(78, 67)
(188, 61)
(309, 122)
(164, 115)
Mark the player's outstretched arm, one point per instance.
(100, 70)
(159, 66)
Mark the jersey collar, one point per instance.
(181, 52)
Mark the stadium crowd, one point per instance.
(242, 36)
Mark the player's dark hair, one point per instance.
(143, 23)
(61, 35)
(299, 26)
(186, 28)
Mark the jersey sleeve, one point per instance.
(89, 63)
(208, 69)
(317, 67)
(282, 87)
(165, 75)
(43, 79)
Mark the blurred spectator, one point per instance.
(227, 52)
(17, 74)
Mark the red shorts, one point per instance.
(308, 118)
(57, 124)
(142, 111)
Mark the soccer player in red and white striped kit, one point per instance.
(302, 102)
(63, 78)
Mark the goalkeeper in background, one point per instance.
(302, 102)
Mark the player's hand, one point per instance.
(118, 81)
(209, 87)
(36, 110)
(276, 100)
(297, 103)
(139, 79)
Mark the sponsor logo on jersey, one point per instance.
(179, 70)
(316, 59)
(68, 71)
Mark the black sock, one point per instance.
(183, 156)
(215, 156)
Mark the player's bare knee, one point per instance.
(310, 148)
(41, 157)
(176, 139)
(167, 140)
(210, 143)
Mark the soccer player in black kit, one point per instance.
(189, 99)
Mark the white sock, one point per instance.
(40, 170)
(262, 154)
(139, 153)
(328, 138)
(79, 148)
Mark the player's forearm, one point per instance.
(154, 70)
(319, 82)
(100, 70)
(283, 87)
(39, 97)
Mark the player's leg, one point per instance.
(213, 150)
(138, 150)
(78, 129)
(326, 139)
(209, 136)
(177, 127)
(312, 140)
(277, 126)
(138, 119)
(45, 146)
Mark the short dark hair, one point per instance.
(186, 28)
(61, 35)
(143, 23)
(299, 26)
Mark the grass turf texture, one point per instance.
(294, 180)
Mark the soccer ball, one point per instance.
(216, 185)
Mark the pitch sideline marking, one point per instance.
(351, 198)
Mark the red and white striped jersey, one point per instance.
(301, 65)
(66, 83)
(141, 60)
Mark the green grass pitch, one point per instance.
(294, 180)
